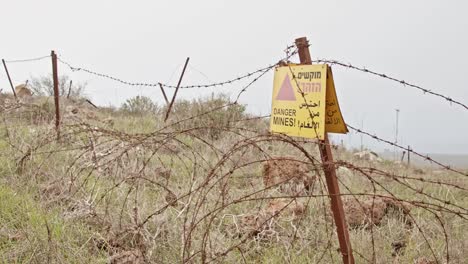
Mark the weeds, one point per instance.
(133, 189)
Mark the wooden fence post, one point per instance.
(330, 174)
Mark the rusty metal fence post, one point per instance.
(69, 89)
(164, 93)
(330, 174)
(56, 93)
(9, 78)
(176, 90)
(409, 151)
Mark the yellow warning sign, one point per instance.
(334, 122)
(304, 102)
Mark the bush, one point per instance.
(211, 122)
(44, 86)
(140, 105)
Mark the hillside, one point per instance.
(209, 185)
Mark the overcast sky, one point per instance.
(423, 42)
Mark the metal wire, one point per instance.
(105, 75)
(385, 76)
(425, 157)
(28, 60)
(230, 81)
(247, 75)
(206, 165)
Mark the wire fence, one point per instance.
(388, 77)
(214, 185)
(28, 60)
(222, 83)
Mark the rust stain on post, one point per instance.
(330, 174)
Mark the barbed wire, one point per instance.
(73, 68)
(249, 74)
(263, 71)
(209, 191)
(402, 181)
(425, 157)
(288, 52)
(388, 77)
(230, 81)
(392, 175)
(173, 187)
(28, 60)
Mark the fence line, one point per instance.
(249, 74)
(425, 157)
(263, 71)
(222, 83)
(385, 76)
(406, 149)
(123, 165)
(28, 60)
(205, 198)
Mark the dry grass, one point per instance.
(214, 187)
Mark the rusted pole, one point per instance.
(91, 103)
(9, 78)
(177, 89)
(164, 93)
(69, 89)
(330, 174)
(56, 93)
(409, 151)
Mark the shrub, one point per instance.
(213, 121)
(44, 86)
(140, 105)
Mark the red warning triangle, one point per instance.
(286, 92)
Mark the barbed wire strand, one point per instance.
(227, 82)
(128, 159)
(114, 144)
(28, 60)
(388, 77)
(425, 157)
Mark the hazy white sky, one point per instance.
(424, 42)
